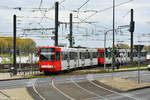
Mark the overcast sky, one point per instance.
(85, 34)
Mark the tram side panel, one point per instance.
(64, 61)
(69, 58)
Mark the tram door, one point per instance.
(82, 59)
(68, 60)
(91, 58)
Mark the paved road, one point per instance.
(81, 87)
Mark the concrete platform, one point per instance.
(123, 84)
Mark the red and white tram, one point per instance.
(52, 59)
(55, 59)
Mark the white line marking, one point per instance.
(92, 98)
(111, 90)
(86, 89)
(61, 91)
(37, 91)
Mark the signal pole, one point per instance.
(131, 30)
(14, 46)
(56, 23)
(71, 31)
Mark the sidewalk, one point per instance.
(6, 76)
(20, 75)
(15, 94)
(121, 69)
(123, 84)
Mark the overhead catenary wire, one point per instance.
(45, 10)
(83, 5)
(118, 5)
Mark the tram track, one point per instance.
(35, 90)
(120, 94)
(69, 97)
(78, 88)
(89, 91)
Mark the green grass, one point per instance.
(9, 55)
(80, 73)
(5, 55)
(4, 70)
(133, 66)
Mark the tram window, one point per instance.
(102, 54)
(71, 55)
(75, 55)
(83, 55)
(80, 55)
(86, 55)
(91, 56)
(66, 56)
(94, 54)
(57, 55)
(47, 54)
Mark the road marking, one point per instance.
(93, 98)
(61, 91)
(112, 91)
(86, 89)
(4, 96)
(37, 91)
(31, 82)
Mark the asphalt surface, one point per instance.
(81, 87)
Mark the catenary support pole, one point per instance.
(113, 47)
(71, 31)
(56, 23)
(14, 46)
(131, 30)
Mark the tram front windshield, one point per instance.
(47, 54)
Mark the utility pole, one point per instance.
(14, 46)
(131, 30)
(56, 23)
(71, 31)
(113, 55)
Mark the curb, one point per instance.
(137, 89)
(14, 79)
(118, 90)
